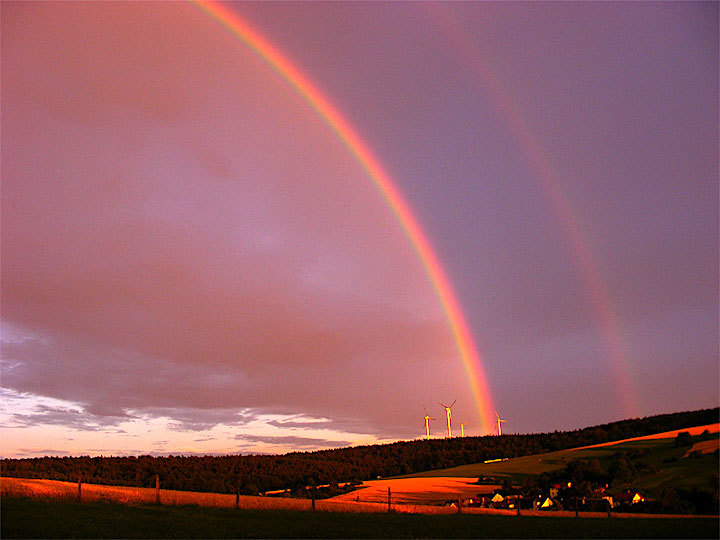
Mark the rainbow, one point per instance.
(597, 291)
(352, 141)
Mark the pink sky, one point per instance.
(192, 261)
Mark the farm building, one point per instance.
(629, 497)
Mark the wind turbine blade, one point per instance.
(424, 409)
(453, 403)
(496, 414)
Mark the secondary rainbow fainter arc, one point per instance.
(550, 185)
(347, 134)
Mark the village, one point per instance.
(557, 497)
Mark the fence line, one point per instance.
(55, 489)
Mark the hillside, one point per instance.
(677, 472)
(253, 474)
(658, 451)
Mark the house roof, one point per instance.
(628, 495)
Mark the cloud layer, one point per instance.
(192, 261)
(165, 255)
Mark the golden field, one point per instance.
(417, 491)
(704, 447)
(697, 430)
(52, 489)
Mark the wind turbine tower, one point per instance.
(462, 428)
(499, 421)
(427, 424)
(449, 416)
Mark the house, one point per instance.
(629, 497)
(544, 503)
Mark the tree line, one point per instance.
(251, 474)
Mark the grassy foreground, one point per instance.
(33, 518)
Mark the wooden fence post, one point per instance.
(459, 505)
(237, 496)
(157, 489)
(80, 487)
(389, 500)
(312, 497)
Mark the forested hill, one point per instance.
(224, 474)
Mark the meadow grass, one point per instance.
(36, 518)
(681, 472)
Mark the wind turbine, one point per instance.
(449, 416)
(462, 428)
(427, 423)
(499, 420)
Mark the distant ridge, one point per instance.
(253, 474)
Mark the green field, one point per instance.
(33, 518)
(662, 454)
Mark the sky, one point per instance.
(195, 262)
